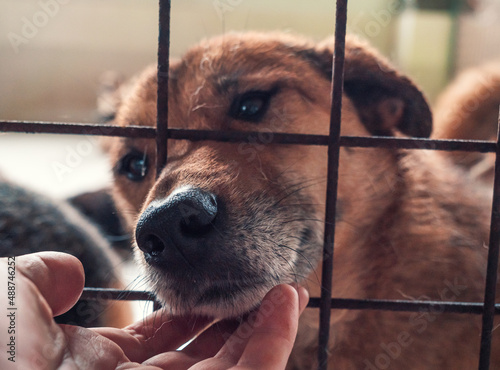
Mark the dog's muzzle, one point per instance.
(173, 233)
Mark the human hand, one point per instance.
(49, 283)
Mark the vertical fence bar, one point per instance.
(156, 305)
(492, 267)
(162, 99)
(332, 182)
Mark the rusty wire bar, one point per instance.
(95, 294)
(418, 143)
(99, 294)
(492, 266)
(332, 183)
(94, 129)
(474, 308)
(148, 132)
(162, 97)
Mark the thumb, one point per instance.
(58, 276)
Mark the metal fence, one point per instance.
(333, 141)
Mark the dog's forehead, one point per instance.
(212, 73)
(225, 61)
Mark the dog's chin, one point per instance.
(186, 295)
(213, 302)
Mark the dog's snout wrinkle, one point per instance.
(174, 231)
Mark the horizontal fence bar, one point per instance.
(414, 143)
(404, 306)
(256, 137)
(94, 129)
(94, 294)
(475, 308)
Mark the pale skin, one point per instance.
(49, 283)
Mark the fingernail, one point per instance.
(303, 296)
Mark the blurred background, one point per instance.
(53, 52)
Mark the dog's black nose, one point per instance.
(175, 230)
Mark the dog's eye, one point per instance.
(134, 165)
(251, 106)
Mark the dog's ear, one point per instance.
(385, 99)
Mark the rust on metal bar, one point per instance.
(248, 136)
(156, 305)
(95, 129)
(475, 308)
(414, 143)
(98, 294)
(492, 266)
(346, 141)
(162, 97)
(259, 137)
(332, 182)
(116, 294)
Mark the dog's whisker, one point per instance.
(300, 254)
(321, 221)
(292, 183)
(134, 283)
(300, 205)
(280, 245)
(301, 187)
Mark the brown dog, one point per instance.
(223, 223)
(468, 109)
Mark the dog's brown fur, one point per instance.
(409, 226)
(468, 109)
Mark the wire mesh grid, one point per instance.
(488, 309)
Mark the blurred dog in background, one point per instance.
(468, 110)
(30, 222)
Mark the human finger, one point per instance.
(271, 343)
(206, 345)
(265, 339)
(157, 333)
(58, 276)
